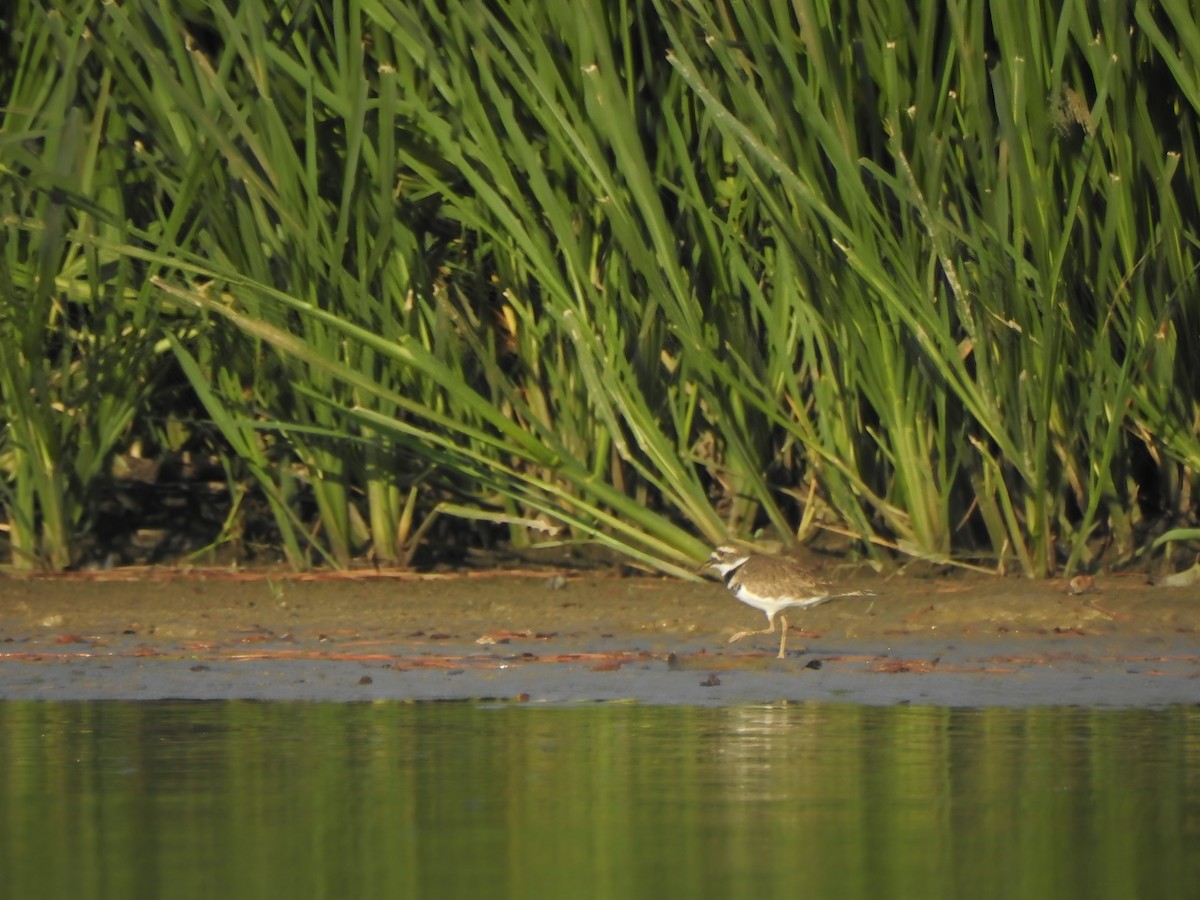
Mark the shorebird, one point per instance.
(769, 583)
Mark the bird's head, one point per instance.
(725, 559)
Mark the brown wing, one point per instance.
(795, 575)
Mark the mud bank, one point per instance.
(963, 641)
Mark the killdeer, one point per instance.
(769, 583)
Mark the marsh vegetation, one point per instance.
(918, 280)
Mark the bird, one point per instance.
(769, 583)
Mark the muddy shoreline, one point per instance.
(561, 638)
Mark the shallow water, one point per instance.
(448, 800)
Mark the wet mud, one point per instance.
(558, 638)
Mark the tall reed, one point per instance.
(649, 276)
(961, 183)
(79, 324)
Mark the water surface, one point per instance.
(449, 800)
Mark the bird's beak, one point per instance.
(707, 564)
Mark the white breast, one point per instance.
(774, 604)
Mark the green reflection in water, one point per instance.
(259, 800)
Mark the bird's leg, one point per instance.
(770, 630)
(748, 632)
(782, 635)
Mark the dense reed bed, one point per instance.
(917, 275)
